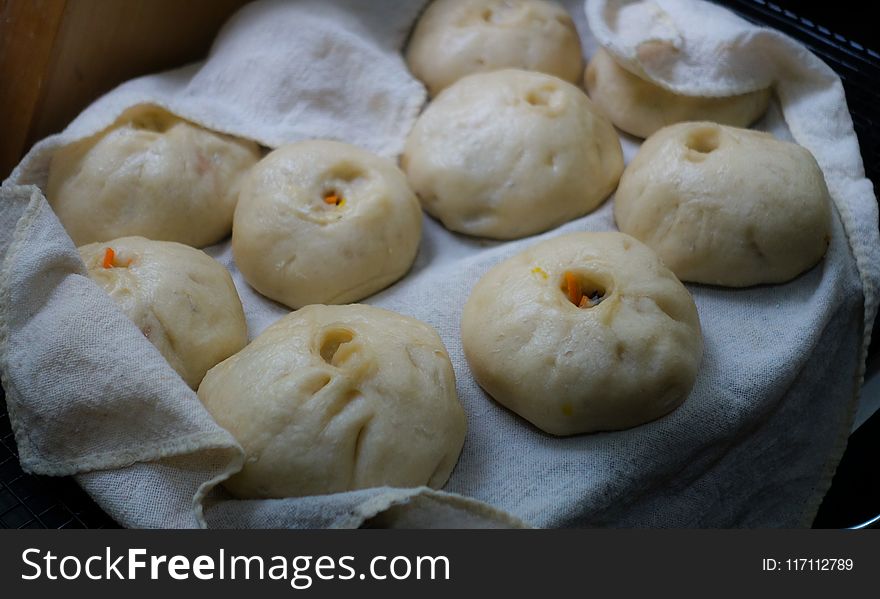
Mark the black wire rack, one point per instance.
(28, 501)
(857, 65)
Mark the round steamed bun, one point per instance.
(628, 352)
(322, 222)
(726, 206)
(640, 107)
(337, 398)
(455, 38)
(182, 300)
(511, 153)
(151, 174)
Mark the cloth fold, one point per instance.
(754, 445)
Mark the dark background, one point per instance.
(853, 20)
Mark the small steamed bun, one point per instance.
(337, 398)
(151, 174)
(322, 222)
(511, 153)
(640, 107)
(182, 300)
(585, 332)
(726, 206)
(455, 38)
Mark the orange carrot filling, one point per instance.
(110, 259)
(334, 199)
(575, 295)
(582, 295)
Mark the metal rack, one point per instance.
(28, 501)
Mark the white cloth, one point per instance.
(754, 445)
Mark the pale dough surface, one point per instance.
(627, 360)
(454, 38)
(150, 174)
(726, 206)
(511, 153)
(294, 247)
(640, 107)
(180, 298)
(336, 398)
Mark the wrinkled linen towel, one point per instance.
(755, 444)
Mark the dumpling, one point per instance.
(640, 107)
(182, 300)
(322, 222)
(585, 332)
(726, 206)
(151, 174)
(454, 38)
(511, 153)
(337, 398)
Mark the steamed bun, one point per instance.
(337, 398)
(150, 174)
(182, 300)
(640, 107)
(585, 332)
(455, 38)
(511, 153)
(726, 206)
(323, 222)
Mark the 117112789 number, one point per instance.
(802, 564)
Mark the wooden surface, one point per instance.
(27, 32)
(57, 56)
